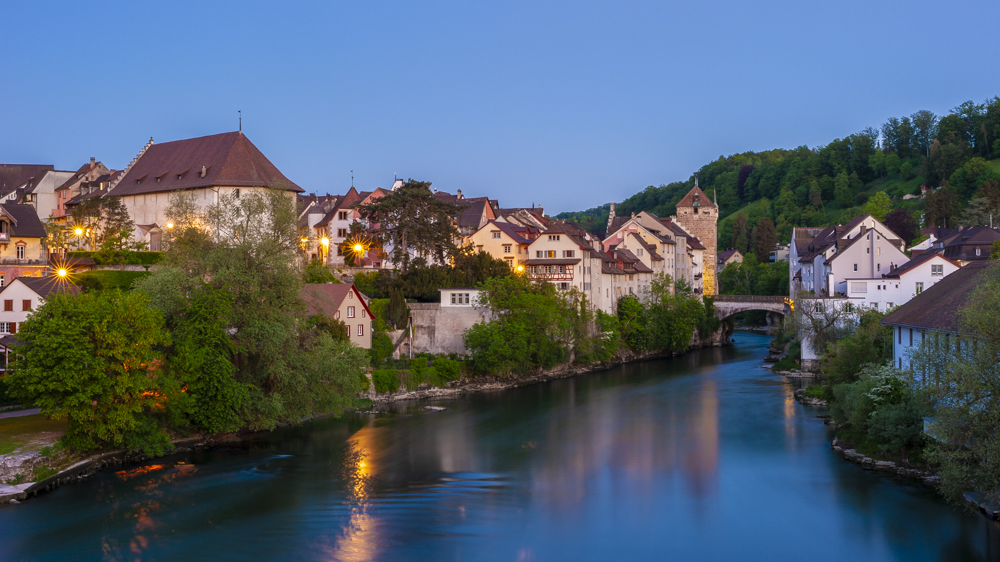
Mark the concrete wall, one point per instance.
(438, 329)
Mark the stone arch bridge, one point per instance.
(728, 305)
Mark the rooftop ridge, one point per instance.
(130, 164)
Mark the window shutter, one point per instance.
(13, 327)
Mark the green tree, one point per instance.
(868, 342)
(412, 221)
(316, 272)
(879, 205)
(741, 233)
(765, 238)
(963, 377)
(942, 208)
(95, 360)
(842, 189)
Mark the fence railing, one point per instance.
(750, 298)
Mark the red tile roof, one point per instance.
(230, 160)
(326, 298)
(688, 200)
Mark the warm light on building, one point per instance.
(170, 225)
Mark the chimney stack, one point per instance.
(92, 163)
(459, 193)
(203, 171)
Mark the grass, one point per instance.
(786, 364)
(17, 432)
(815, 391)
(872, 448)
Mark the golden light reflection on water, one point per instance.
(360, 538)
(790, 426)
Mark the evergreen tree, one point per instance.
(765, 238)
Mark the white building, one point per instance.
(24, 295)
(902, 283)
(931, 316)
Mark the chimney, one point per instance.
(92, 163)
(203, 171)
(458, 194)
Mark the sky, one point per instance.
(565, 105)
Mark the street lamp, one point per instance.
(62, 272)
(170, 225)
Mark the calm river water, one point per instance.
(703, 457)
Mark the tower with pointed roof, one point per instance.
(699, 215)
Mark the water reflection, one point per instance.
(702, 457)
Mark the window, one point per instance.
(879, 267)
(26, 305)
(8, 305)
(553, 237)
(341, 233)
(3, 279)
(900, 333)
(888, 306)
(564, 286)
(868, 250)
(920, 288)
(979, 252)
(640, 251)
(361, 329)
(538, 253)
(878, 251)
(336, 314)
(937, 270)
(911, 337)
(20, 251)
(510, 262)
(496, 235)
(586, 286)
(550, 253)
(350, 312)
(236, 193)
(569, 253)
(342, 215)
(460, 298)
(506, 248)
(855, 267)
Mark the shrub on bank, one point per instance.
(108, 279)
(386, 380)
(882, 407)
(127, 258)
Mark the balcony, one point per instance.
(4, 237)
(565, 276)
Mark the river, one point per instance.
(702, 457)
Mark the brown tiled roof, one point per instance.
(695, 243)
(26, 221)
(520, 234)
(15, 175)
(626, 256)
(937, 307)
(551, 261)
(46, 286)
(230, 160)
(696, 191)
(725, 255)
(920, 258)
(963, 247)
(653, 254)
(326, 298)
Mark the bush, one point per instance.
(386, 380)
(815, 391)
(5, 398)
(316, 272)
(368, 283)
(108, 279)
(882, 407)
(448, 369)
(130, 258)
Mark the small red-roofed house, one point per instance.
(342, 302)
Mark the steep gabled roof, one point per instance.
(726, 254)
(45, 286)
(16, 175)
(696, 193)
(520, 234)
(920, 258)
(26, 222)
(230, 160)
(964, 245)
(326, 298)
(937, 307)
(653, 254)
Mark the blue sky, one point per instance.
(567, 105)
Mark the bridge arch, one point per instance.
(728, 305)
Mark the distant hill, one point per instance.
(833, 183)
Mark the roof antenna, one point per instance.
(352, 178)
(240, 111)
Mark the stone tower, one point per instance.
(697, 214)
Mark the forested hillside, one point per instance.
(870, 171)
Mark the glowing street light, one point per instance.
(78, 231)
(325, 242)
(170, 225)
(520, 268)
(62, 272)
(358, 248)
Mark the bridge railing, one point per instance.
(750, 298)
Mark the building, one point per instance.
(778, 254)
(503, 240)
(933, 315)
(699, 216)
(22, 296)
(335, 228)
(13, 176)
(862, 249)
(21, 250)
(342, 302)
(970, 244)
(204, 168)
(438, 327)
(902, 283)
(72, 188)
(727, 257)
